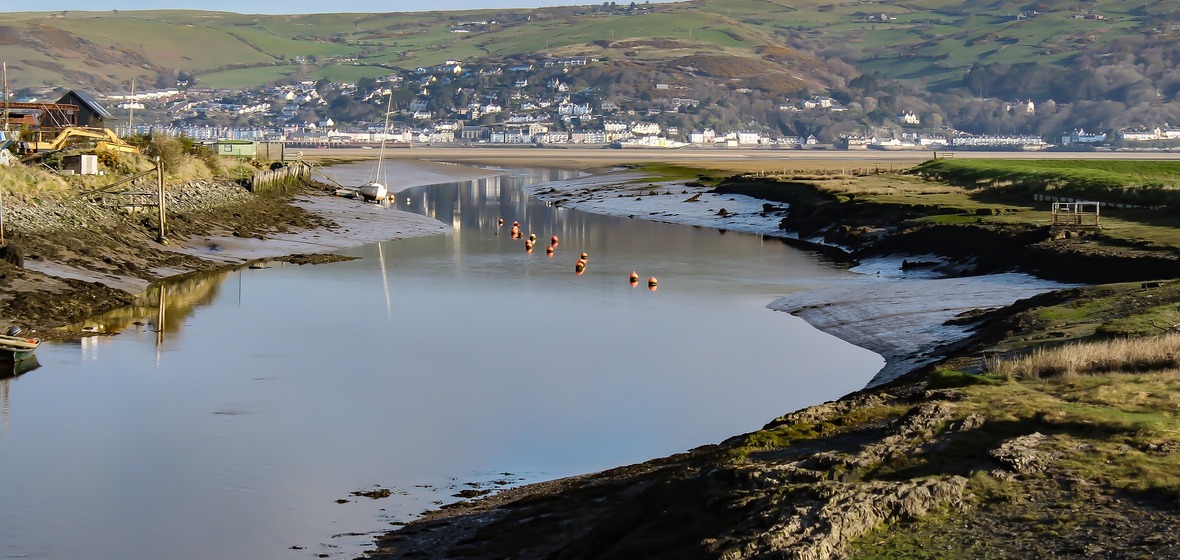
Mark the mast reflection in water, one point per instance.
(228, 421)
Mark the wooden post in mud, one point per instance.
(160, 189)
(1, 217)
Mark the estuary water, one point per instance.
(237, 412)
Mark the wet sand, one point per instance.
(357, 222)
(899, 315)
(737, 160)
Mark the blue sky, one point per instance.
(307, 6)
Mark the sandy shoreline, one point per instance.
(736, 160)
(358, 223)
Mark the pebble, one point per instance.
(30, 214)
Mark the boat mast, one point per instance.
(6, 98)
(384, 134)
(131, 110)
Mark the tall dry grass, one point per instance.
(23, 181)
(1124, 355)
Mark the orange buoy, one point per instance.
(515, 223)
(585, 256)
(528, 245)
(553, 240)
(549, 250)
(634, 277)
(651, 282)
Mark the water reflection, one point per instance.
(243, 404)
(162, 307)
(10, 369)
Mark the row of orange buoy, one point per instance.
(580, 266)
(652, 282)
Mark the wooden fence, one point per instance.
(278, 179)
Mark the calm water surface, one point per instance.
(423, 366)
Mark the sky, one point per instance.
(308, 6)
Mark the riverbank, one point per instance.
(78, 259)
(971, 455)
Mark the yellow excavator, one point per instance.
(102, 140)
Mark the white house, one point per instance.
(909, 117)
(645, 128)
(748, 138)
(1141, 135)
(1080, 136)
(614, 126)
(1021, 107)
(707, 136)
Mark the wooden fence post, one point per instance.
(160, 190)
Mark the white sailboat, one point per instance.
(374, 190)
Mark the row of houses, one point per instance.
(1166, 132)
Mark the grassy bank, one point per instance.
(1126, 182)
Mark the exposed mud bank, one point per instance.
(868, 230)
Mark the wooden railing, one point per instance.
(1076, 214)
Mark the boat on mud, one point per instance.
(14, 348)
(374, 191)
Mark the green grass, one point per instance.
(1149, 183)
(785, 435)
(669, 172)
(245, 77)
(947, 379)
(1099, 312)
(925, 40)
(348, 72)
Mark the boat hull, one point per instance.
(10, 368)
(373, 191)
(15, 349)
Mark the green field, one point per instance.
(1153, 182)
(924, 39)
(246, 77)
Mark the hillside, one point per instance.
(981, 67)
(929, 40)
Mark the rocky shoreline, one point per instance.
(73, 259)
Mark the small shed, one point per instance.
(81, 164)
(234, 148)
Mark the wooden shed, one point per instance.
(234, 148)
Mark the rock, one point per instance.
(1022, 454)
(12, 255)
